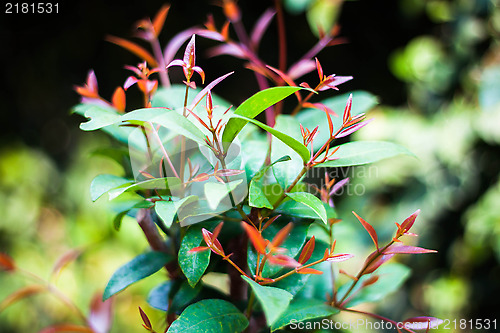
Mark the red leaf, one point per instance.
(101, 314)
(373, 279)
(368, 228)
(67, 328)
(20, 294)
(270, 221)
(341, 271)
(406, 249)
(261, 26)
(308, 270)
(145, 319)
(353, 129)
(64, 260)
(198, 249)
(422, 323)
(301, 68)
(212, 242)
(283, 260)
(118, 99)
(340, 257)
(408, 223)
(205, 90)
(347, 110)
(320, 70)
(159, 19)
(373, 265)
(6, 263)
(282, 235)
(201, 177)
(134, 48)
(229, 172)
(217, 230)
(255, 237)
(307, 251)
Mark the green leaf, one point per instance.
(252, 107)
(167, 210)
(184, 296)
(297, 146)
(137, 269)
(363, 152)
(256, 197)
(274, 301)
(193, 265)
(391, 277)
(215, 192)
(303, 309)
(297, 209)
(158, 297)
(104, 183)
(157, 183)
(362, 102)
(210, 316)
(99, 116)
(312, 202)
(167, 118)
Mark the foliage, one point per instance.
(207, 203)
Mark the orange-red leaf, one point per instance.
(198, 249)
(20, 294)
(217, 230)
(212, 242)
(373, 264)
(255, 237)
(368, 228)
(67, 328)
(370, 281)
(307, 251)
(341, 271)
(145, 319)
(283, 260)
(340, 257)
(280, 237)
(65, 259)
(6, 263)
(118, 99)
(308, 270)
(270, 221)
(101, 314)
(406, 249)
(134, 48)
(347, 110)
(408, 223)
(159, 19)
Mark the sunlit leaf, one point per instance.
(167, 210)
(252, 107)
(210, 316)
(274, 301)
(297, 146)
(156, 183)
(104, 183)
(256, 196)
(137, 269)
(312, 202)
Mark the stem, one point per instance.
(251, 301)
(281, 35)
(150, 231)
(334, 291)
(361, 273)
(54, 291)
(164, 151)
(283, 196)
(301, 103)
(155, 45)
(183, 138)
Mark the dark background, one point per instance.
(44, 55)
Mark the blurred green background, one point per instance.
(434, 65)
